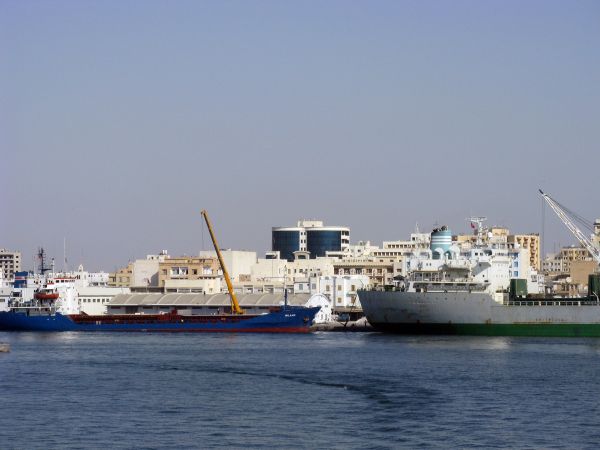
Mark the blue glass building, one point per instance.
(309, 236)
(320, 241)
(286, 241)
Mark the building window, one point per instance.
(179, 271)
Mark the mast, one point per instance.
(235, 306)
(42, 258)
(477, 223)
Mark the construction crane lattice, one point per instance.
(567, 216)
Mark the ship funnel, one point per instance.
(441, 241)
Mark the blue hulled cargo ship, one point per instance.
(289, 319)
(54, 311)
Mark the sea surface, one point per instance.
(323, 390)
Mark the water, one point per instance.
(325, 390)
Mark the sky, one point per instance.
(121, 120)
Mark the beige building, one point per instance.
(580, 270)
(122, 277)
(187, 268)
(10, 262)
(164, 272)
(530, 242)
(380, 270)
(568, 255)
(139, 273)
(553, 265)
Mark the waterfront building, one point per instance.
(200, 304)
(158, 272)
(381, 271)
(122, 277)
(94, 299)
(572, 253)
(139, 273)
(309, 236)
(417, 242)
(239, 263)
(361, 248)
(529, 241)
(579, 273)
(10, 262)
(187, 268)
(341, 290)
(276, 270)
(552, 264)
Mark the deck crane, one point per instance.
(568, 218)
(235, 306)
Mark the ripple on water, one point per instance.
(330, 390)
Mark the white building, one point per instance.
(92, 300)
(341, 290)
(210, 285)
(275, 270)
(239, 263)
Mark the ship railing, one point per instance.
(34, 310)
(582, 302)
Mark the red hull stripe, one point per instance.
(216, 330)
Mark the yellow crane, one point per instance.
(235, 306)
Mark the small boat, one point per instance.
(46, 294)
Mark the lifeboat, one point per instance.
(46, 295)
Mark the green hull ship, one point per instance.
(483, 314)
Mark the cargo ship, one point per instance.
(468, 309)
(49, 311)
(290, 319)
(487, 289)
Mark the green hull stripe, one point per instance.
(542, 329)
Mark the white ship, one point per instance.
(449, 291)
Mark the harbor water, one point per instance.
(322, 390)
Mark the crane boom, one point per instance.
(235, 306)
(582, 238)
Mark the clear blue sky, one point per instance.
(121, 120)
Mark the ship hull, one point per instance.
(476, 314)
(290, 320)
